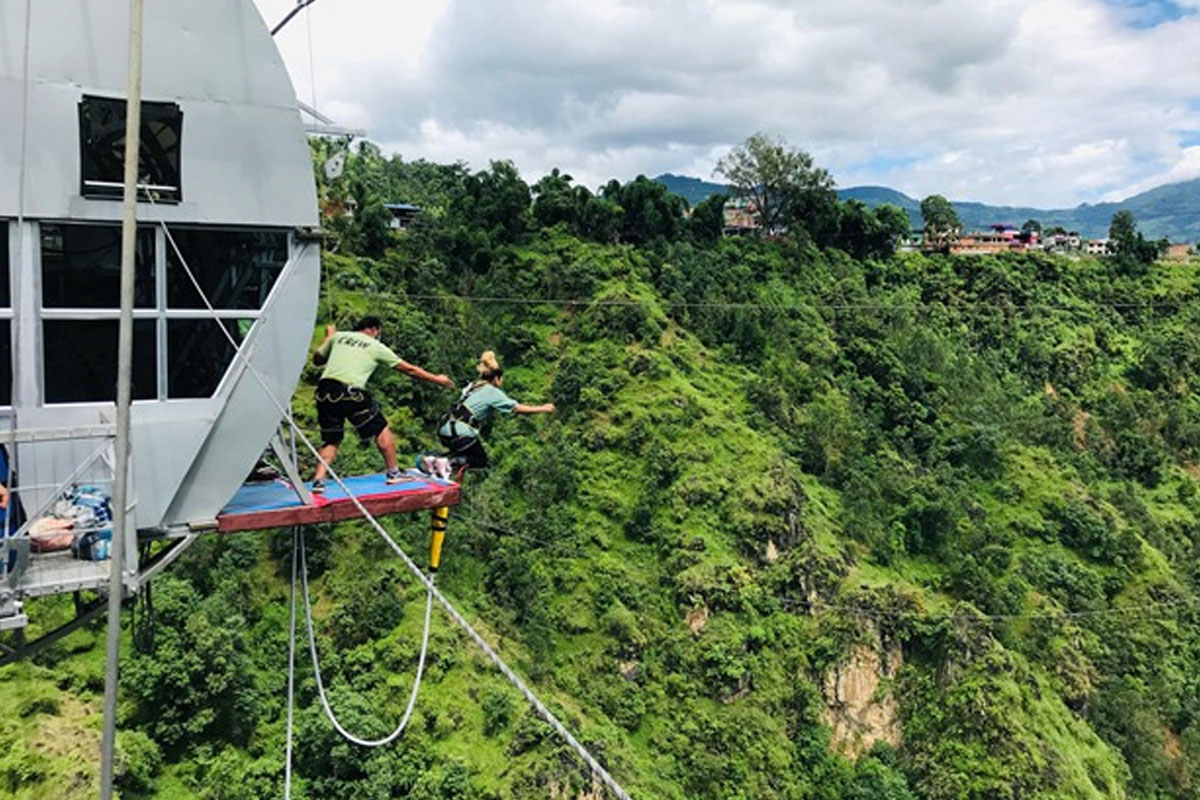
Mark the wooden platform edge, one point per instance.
(338, 510)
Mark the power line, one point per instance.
(854, 307)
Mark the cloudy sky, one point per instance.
(1034, 102)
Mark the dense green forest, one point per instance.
(814, 520)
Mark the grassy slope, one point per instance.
(641, 513)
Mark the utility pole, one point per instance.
(121, 522)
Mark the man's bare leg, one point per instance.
(387, 447)
(328, 453)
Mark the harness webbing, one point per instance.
(461, 412)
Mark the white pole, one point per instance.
(121, 526)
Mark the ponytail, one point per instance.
(488, 367)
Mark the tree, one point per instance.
(599, 217)
(941, 220)
(1129, 245)
(894, 221)
(554, 200)
(707, 222)
(649, 210)
(1031, 226)
(497, 201)
(781, 184)
(859, 232)
(1122, 233)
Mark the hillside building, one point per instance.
(1000, 239)
(403, 215)
(740, 217)
(1062, 243)
(1178, 252)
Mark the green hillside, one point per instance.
(693, 190)
(805, 526)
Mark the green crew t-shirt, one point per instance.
(353, 356)
(483, 402)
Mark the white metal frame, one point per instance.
(162, 313)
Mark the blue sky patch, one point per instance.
(1189, 138)
(1149, 13)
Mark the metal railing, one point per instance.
(17, 547)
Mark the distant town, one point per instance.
(741, 219)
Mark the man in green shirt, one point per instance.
(349, 359)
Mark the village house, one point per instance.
(1062, 243)
(1178, 252)
(913, 241)
(403, 215)
(740, 217)
(1000, 239)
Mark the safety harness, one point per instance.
(459, 412)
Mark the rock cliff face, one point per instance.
(860, 706)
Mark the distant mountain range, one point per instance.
(1172, 210)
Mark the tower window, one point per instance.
(236, 269)
(81, 266)
(81, 360)
(102, 149)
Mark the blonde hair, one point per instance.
(488, 367)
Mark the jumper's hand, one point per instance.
(3, 496)
(444, 380)
(330, 330)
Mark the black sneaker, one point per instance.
(393, 476)
(262, 473)
(318, 486)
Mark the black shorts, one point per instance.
(337, 403)
(467, 448)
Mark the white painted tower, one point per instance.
(225, 165)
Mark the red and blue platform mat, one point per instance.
(275, 505)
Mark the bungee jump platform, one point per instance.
(275, 504)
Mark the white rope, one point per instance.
(513, 678)
(287, 768)
(312, 646)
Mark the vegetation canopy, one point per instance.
(816, 520)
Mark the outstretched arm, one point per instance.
(417, 373)
(522, 408)
(321, 355)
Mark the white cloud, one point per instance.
(1184, 168)
(1031, 102)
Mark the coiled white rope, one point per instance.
(312, 646)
